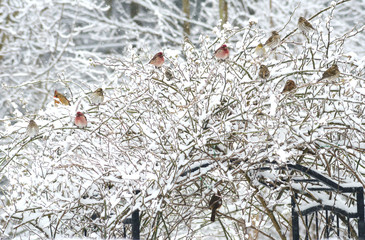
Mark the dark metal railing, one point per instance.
(334, 211)
(134, 221)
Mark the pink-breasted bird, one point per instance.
(157, 60)
(80, 120)
(222, 52)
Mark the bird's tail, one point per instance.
(212, 217)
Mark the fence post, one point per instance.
(360, 211)
(294, 218)
(135, 225)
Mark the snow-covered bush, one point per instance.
(210, 126)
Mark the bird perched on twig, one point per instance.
(97, 97)
(32, 129)
(273, 41)
(260, 50)
(264, 72)
(157, 60)
(215, 203)
(169, 74)
(331, 74)
(304, 25)
(289, 85)
(62, 99)
(222, 53)
(80, 120)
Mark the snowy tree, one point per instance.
(179, 132)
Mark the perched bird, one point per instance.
(215, 203)
(58, 96)
(80, 120)
(168, 73)
(97, 97)
(157, 60)
(260, 50)
(289, 85)
(331, 74)
(273, 41)
(222, 53)
(32, 129)
(304, 25)
(264, 72)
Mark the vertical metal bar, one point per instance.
(124, 231)
(306, 227)
(294, 218)
(338, 225)
(317, 225)
(327, 223)
(360, 212)
(135, 221)
(348, 227)
(135, 225)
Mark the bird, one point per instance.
(169, 74)
(304, 25)
(97, 97)
(222, 52)
(62, 99)
(264, 72)
(331, 74)
(157, 60)
(273, 40)
(289, 85)
(215, 203)
(32, 129)
(80, 120)
(260, 50)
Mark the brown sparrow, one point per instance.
(264, 72)
(304, 25)
(289, 85)
(273, 41)
(331, 74)
(168, 73)
(32, 129)
(97, 97)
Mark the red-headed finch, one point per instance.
(289, 85)
(264, 72)
(273, 41)
(331, 74)
(304, 25)
(32, 129)
(260, 50)
(222, 52)
(58, 96)
(215, 203)
(97, 97)
(157, 60)
(80, 120)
